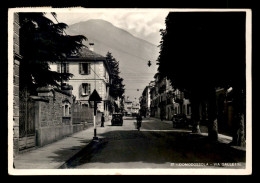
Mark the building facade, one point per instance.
(165, 101)
(145, 100)
(128, 107)
(16, 64)
(90, 71)
(131, 108)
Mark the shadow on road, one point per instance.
(154, 147)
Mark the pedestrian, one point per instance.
(161, 115)
(102, 120)
(139, 121)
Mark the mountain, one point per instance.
(132, 53)
(153, 37)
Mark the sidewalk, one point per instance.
(53, 155)
(204, 132)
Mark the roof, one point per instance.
(86, 54)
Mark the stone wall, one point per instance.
(16, 63)
(16, 107)
(51, 122)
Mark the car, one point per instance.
(117, 119)
(180, 120)
(134, 114)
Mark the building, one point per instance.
(90, 71)
(169, 92)
(16, 64)
(128, 107)
(167, 101)
(155, 98)
(131, 107)
(145, 101)
(135, 108)
(181, 104)
(158, 97)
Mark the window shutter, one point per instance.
(58, 68)
(89, 71)
(89, 88)
(80, 69)
(80, 90)
(67, 67)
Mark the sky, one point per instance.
(144, 24)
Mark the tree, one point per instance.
(116, 89)
(43, 41)
(206, 50)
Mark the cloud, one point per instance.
(140, 23)
(144, 22)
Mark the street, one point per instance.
(156, 145)
(77, 74)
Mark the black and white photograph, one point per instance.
(129, 91)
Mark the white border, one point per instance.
(246, 171)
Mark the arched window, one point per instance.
(66, 108)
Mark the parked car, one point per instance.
(134, 114)
(180, 120)
(117, 119)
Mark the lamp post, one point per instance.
(96, 99)
(95, 125)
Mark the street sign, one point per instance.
(95, 96)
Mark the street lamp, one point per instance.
(149, 63)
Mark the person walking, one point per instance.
(139, 121)
(102, 120)
(161, 115)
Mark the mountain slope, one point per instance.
(132, 53)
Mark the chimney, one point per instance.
(91, 46)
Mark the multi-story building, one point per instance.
(167, 101)
(181, 104)
(90, 71)
(16, 64)
(169, 92)
(131, 107)
(128, 106)
(145, 100)
(135, 108)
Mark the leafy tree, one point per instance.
(43, 41)
(202, 51)
(116, 89)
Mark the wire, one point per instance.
(96, 73)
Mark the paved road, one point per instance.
(157, 145)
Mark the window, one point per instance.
(86, 89)
(188, 109)
(66, 109)
(84, 68)
(63, 68)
